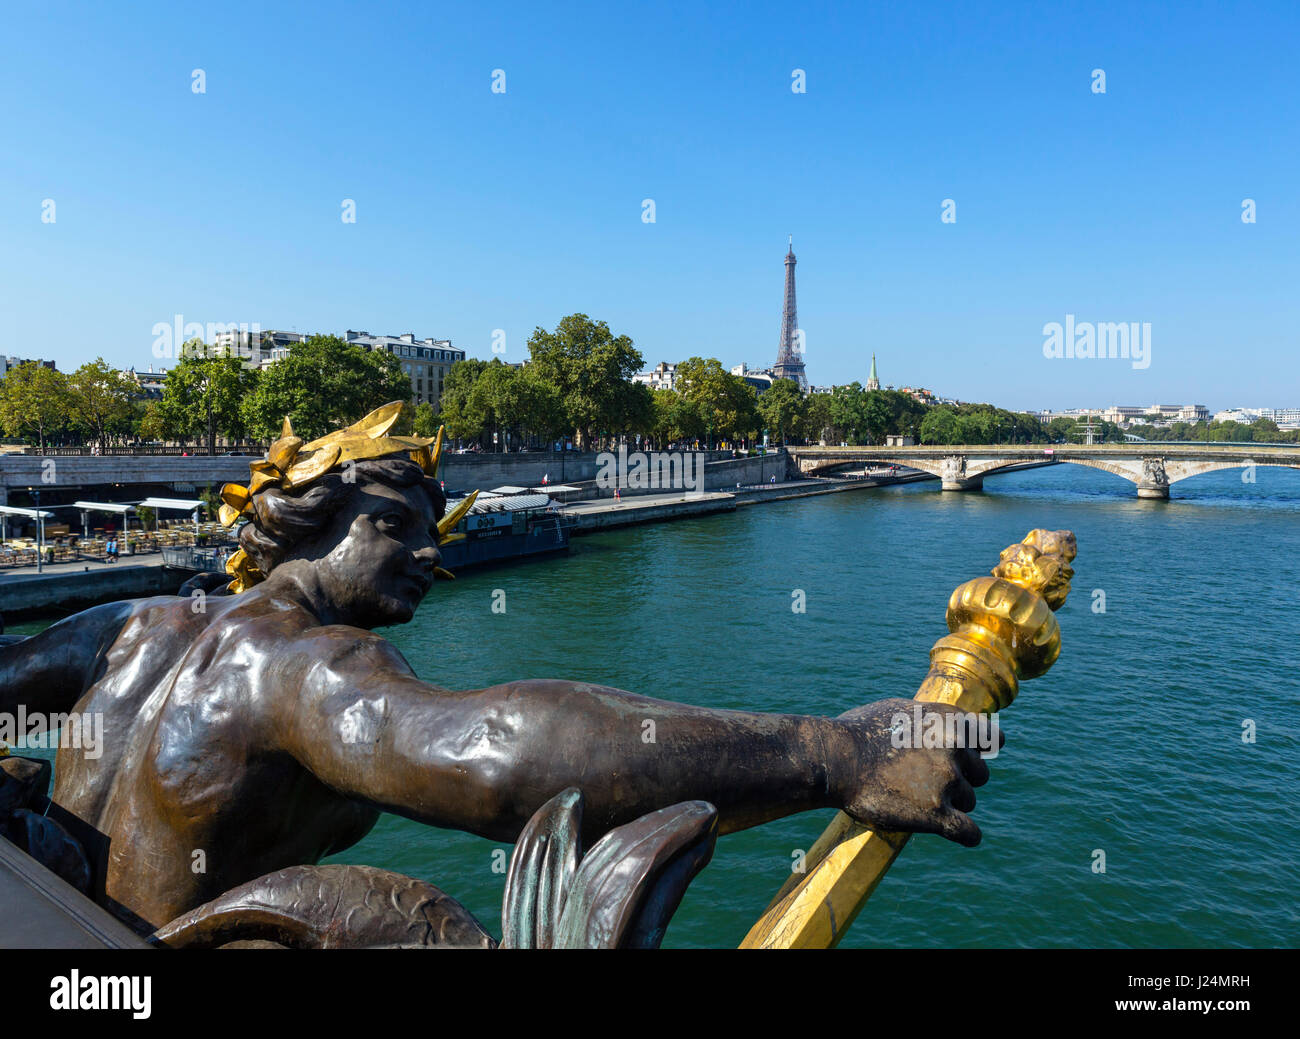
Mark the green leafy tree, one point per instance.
(211, 498)
(484, 397)
(101, 400)
(986, 424)
(589, 367)
(153, 424)
(1060, 429)
(878, 415)
(674, 418)
(540, 406)
(848, 412)
(495, 396)
(634, 409)
(324, 384)
(34, 402)
(815, 423)
(781, 407)
(425, 421)
(203, 397)
(939, 426)
(1265, 431)
(906, 413)
(728, 404)
(464, 417)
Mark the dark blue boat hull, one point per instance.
(542, 538)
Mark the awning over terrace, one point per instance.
(119, 507)
(174, 505)
(11, 510)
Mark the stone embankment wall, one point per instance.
(460, 472)
(720, 475)
(66, 593)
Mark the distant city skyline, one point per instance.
(956, 182)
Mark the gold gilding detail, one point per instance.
(282, 453)
(1001, 629)
(435, 456)
(448, 522)
(236, 496)
(291, 464)
(312, 468)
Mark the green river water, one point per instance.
(1132, 745)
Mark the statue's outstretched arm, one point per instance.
(49, 672)
(485, 760)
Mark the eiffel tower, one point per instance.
(789, 356)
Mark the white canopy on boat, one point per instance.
(512, 503)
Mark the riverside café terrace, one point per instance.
(61, 545)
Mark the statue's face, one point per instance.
(375, 560)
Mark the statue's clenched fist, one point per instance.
(899, 784)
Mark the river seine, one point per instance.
(1128, 754)
(1130, 748)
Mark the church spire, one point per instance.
(873, 383)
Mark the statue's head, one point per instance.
(358, 513)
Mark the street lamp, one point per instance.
(205, 384)
(40, 531)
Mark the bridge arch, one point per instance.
(1149, 467)
(1186, 469)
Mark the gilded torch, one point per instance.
(1001, 629)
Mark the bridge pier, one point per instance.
(952, 475)
(1154, 482)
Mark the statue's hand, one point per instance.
(912, 789)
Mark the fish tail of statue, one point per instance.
(1001, 629)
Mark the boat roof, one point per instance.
(510, 503)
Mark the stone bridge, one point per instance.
(1152, 466)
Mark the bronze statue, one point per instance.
(260, 730)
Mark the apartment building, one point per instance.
(426, 361)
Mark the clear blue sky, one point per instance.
(478, 211)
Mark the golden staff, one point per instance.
(1001, 629)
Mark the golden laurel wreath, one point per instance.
(292, 465)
